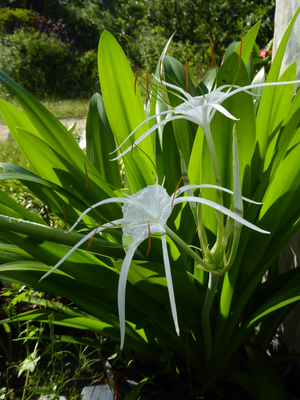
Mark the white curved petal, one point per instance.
(141, 124)
(163, 122)
(100, 203)
(175, 87)
(220, 208)
(170, 283)
(122, 288)
(209, 186)
(256, 85)
(84, 239)
(222, 110)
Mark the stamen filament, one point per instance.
(132, 143)
(87, 176)
(211, 52)
(92, 238)
(147, 87)
(174, 194)
(186, 76)
(149, 240)
(65, 220)
(135, 80)
(160, 72)
(240, 53)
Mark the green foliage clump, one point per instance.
(12, 19)
(45, 65)
(142, 28)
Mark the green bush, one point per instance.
(142, 28)
(46, 66)
(86, 73)
(12, 19)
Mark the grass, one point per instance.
(75, 108)
(68, 108)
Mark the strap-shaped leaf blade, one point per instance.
(100, 142)
(125, 110)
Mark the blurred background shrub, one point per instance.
(50, 46)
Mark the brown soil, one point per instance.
(68, 122)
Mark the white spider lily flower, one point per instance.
(198, 109)
(146, 213)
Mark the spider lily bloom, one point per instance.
(146, 213)
(198, 109)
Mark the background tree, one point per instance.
(142, 27)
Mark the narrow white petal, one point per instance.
(84, 239)
(220, 208)
(222, 110)
(238, 202)
(122, 288)
(256, 85)
(141, 124)
(209, 186)
(170, 282)
(175, 87)
(100, 203)
(163, 122)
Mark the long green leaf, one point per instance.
(265, 111)
(49, 130)
(124, 110)
(100, 142)
(266, 376)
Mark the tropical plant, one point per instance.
(229, 135)
(45, 357)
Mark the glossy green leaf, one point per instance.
(55, 235)
(49, 130)
(100, 142)
(243, 379)
(248, 43)
(281, 101)
(266, 376)
(125, 110)
(265, 111)
(185, 131)
(241, 107)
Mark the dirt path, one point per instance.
(68, 122)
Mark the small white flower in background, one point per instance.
(146, 213)
(198, 109)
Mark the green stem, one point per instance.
(27, 354)
(25, 386)
(213, 156)
(187, 249)
(209, 298)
